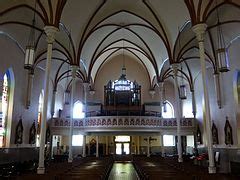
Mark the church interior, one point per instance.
(112, 89)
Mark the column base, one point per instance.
(180, 159)
(40, 170)
(70, 160)
(212, 170)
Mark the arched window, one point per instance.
(6, 102)
(78, 110)
(167, 110)
(40, 106)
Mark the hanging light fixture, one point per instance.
(222, 52)
(123, 67)
(182, 87)
(30, 48)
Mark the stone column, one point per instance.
(106, 145)
(84, 146)
(97, 143)
(74, 73)
(200, 30)
(161, 96)
(50, 32)
(29, 88)
(138, 145)
(89, 152)
(194, 109)
(53, 102)
(177, 113)
(162, 146)
(85, 86)
(148, 146)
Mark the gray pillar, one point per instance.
(53, 102)
(200, 30)
(84, 146)
(162, 146)
(74, 73)
(177, 113)
(148, 146)
(194, 109)
(97, 141)
(161, 84)
(50, 31)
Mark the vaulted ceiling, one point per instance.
(94, 31)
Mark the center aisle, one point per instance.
(123, 170)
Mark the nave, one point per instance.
(139, 168)
(76, 74)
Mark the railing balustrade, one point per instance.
(123, 121)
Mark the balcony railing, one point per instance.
(123, 121)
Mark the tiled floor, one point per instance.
(123, 171)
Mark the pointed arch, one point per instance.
(7, 107)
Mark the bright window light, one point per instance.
(122, 139)
(78, 110)
(126, 148)
(169, 112)
(168, 140)
(77, 140)
(118, 148)
(190, 141)
(187, 110)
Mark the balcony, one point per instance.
(124, 123)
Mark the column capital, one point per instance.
(160, 85)
(51, 32)
(85, 85)
(74, 69)
(199, 30)
(175, 68)
(152, 92)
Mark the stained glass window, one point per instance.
(40, 106)
(3, 117)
